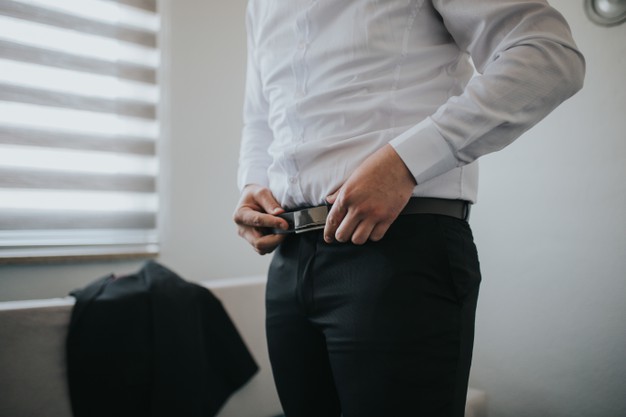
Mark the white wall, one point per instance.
(550, 223)
(551, 231)
(207, 51)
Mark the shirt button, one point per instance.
(302, 45)
(293, 180)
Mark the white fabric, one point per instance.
(329, 82)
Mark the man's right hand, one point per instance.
(255, 216)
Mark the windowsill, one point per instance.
(76, 257)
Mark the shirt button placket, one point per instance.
(300, 73)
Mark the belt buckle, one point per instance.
(313, 218)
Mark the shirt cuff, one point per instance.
(424, 151)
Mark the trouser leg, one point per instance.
(296, 346)
(397, 316)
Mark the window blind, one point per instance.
(78, 128)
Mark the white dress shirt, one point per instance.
(329, 82)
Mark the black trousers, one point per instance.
(380, 330)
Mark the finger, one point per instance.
(332, 198)
(266, 244)
(379, 231)
(250, 233)
(346, 228)
(246, 216)
(362, 232)
(261, 242)
(268, 203)
(333, 220)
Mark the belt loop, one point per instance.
(467, 208)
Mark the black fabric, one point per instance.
(382, 329)
(152, 344)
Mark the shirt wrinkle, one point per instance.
(336, 81)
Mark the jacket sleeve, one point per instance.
(527, 64)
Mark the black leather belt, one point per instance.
(314, 218)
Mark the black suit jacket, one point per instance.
(152, 344)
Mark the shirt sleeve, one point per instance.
(528, 64)
(257, 136)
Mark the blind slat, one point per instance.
(81, 122)
(75, 82)
(40, 179)
(103, 11)
(56, 139)
(77, 43)
(72, 101)
(34, 55)
(67, 220)
(53, 18)
(147, 5)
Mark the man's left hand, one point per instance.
(370, 200)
